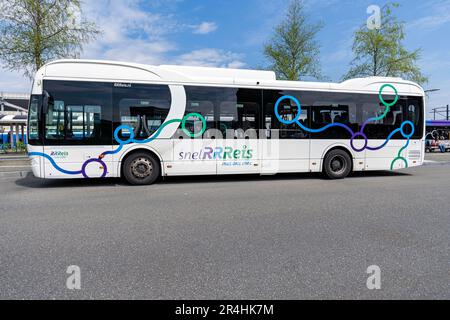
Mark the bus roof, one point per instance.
(127, 72)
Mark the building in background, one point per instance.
(13, 118)
(438, 136)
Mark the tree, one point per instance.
(34, 32)
(380, 52)
(293, 51)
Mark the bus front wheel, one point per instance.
(141, 168)
(337, 164)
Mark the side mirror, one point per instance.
(45, 99)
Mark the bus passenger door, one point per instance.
(34, 138)
(285, 147)
(194, 144)
(238, 150)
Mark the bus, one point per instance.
(98, 119)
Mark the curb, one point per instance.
(16, 174)
(2, 159)
(436, 163)
(12, 156)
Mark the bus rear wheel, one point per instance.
(337, 164)
(141, 168)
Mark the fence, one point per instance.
(8, 144)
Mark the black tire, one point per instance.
(337, 164)
(141, 168)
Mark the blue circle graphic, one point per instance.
(277, 113)
(402, 129)
(120, 128)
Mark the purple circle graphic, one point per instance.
(83, 169)
(352, 141)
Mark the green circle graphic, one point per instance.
(380, 94)
(399, 159)
(190, 134)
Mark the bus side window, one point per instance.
(79, 113)
(240, 113)
(288, 111)
(142, 107)
(331, 108)
(203, 101)
(387, 122)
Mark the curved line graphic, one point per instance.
(52, 161)
(361, 131)
(326, 127)
(183, 121)
(123, 143)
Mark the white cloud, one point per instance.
(205, 28)
(13, 82)
(133, 34)
(211, 58)
(439, 15)
(236, 64)
(129, 33)
(139, 51)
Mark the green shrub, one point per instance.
(21, 147)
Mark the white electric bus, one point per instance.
(96, 119)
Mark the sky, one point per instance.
(232, 33)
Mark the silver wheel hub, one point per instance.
(141, 168)
(338, 164)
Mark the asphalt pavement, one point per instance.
(237, 237)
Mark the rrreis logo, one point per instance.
(226, 153)
(59, 154)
